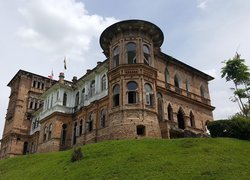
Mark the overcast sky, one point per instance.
(35, 35)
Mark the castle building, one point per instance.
(138, 91)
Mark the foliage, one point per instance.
(76, 155)
(235, 70)
(187, 158)
(236, 127)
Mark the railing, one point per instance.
(186, 93)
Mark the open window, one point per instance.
(132, 94)
(149, 94)
(116, 54)
(116, 95)
(131, 53)
(146, 55)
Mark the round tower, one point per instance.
(130, 47)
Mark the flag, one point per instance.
(52, 75)
(65, 66)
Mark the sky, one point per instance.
(36, 35)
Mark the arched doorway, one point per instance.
(25, 147)
(180, 117)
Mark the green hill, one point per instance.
(206, 158)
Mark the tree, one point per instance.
(236, 71)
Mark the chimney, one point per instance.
(88, 71)
(61, 78)
(74, 80)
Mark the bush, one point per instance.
(236, 127)
(76, 155)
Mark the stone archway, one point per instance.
(181, 119)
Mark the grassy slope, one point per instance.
(139, 159)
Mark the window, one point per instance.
(202, 91)
(35, 105)
(50, 131)
(64, 133)
(34, 84)
(146, 54)
(187, 85)
(103, 118)
(149, 94)
(140, 130)
(57, 95)
(42, 85)
(75, 133)
(132, 87)
(45, 133)
(116, 54)
(131, 53)
(90, 122)
(31, 104)
(116, 95)
(104, 82)
(160, 107)
(180, 119)
(83, 96)
(176, 81)
(77, 99)
(170, 113)
(51, 102)
(192, 121)
(92, 88)
(64, 99)
(80, 127)
(38, 85)
(166, 75)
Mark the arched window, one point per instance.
(146, 54)
(176, 81)
(83, 95)
(187, 85)
(64, 99)
(103, 118)
(167, 80)
(77, 99)
(202, 91)
(80, 128)
(25, 148)
(116, 95)
(132, 87)
(131, 53)
(64, 134)
(57, 95)
(180, 118)
(192, 121)
(50, 131)
(149, 94)
(170, 113)
(75, 133)
(160, 107)
(45, 133)
(90, 122)
(104, 82)
(92, 88)
(116, 54)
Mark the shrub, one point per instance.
(76, 155)
(236, 127)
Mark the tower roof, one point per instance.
(131, 25)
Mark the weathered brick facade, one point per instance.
(137, 92)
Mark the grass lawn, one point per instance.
(205, 158)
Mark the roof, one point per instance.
(129, 25)
(176, 61)
(21, 72)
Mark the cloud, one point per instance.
(202, 4)
(64, 28)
